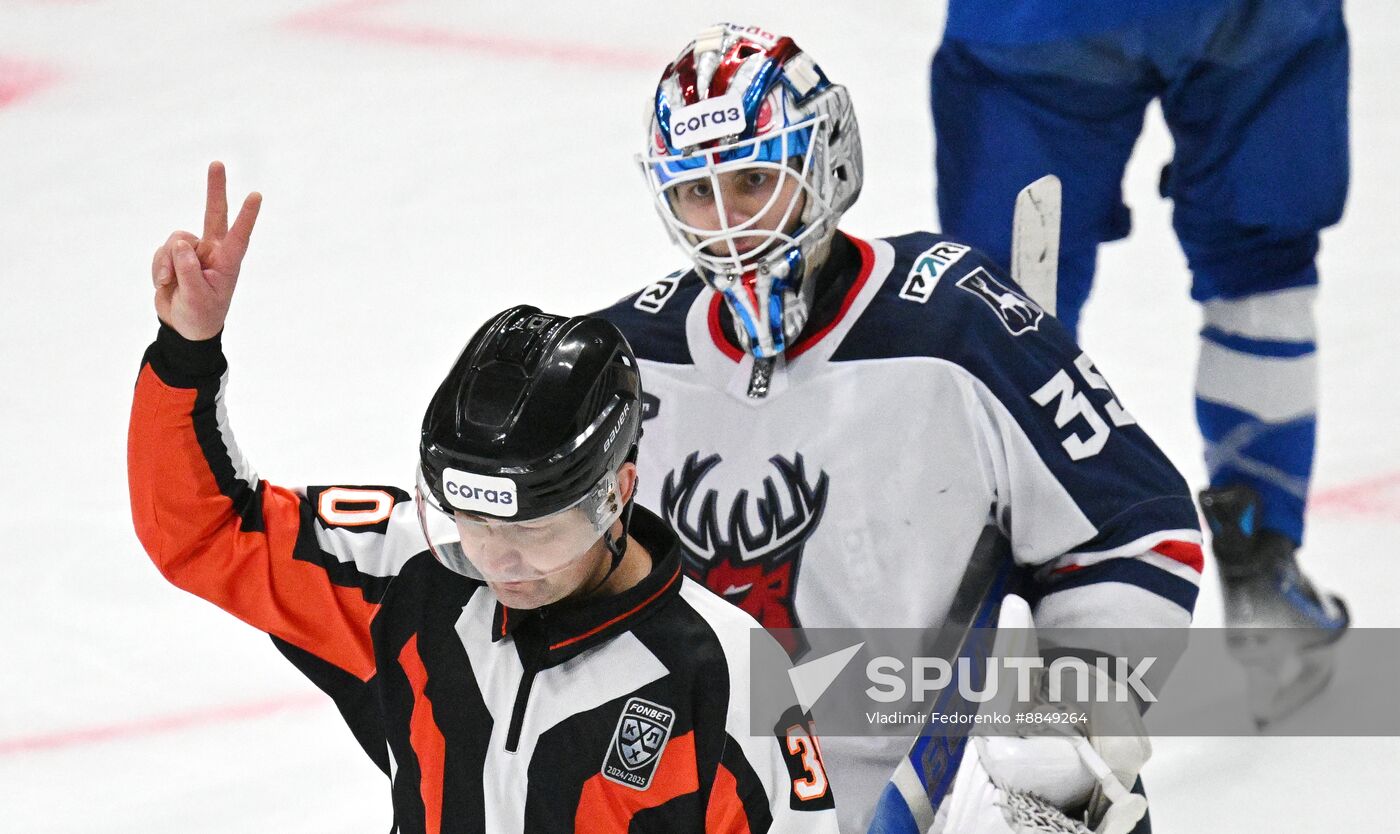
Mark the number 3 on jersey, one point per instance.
(803, 755)
(1071, 403)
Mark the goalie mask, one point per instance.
(521, 446)
(746, 117)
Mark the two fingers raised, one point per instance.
(216, 230)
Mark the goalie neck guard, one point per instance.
(738, 99)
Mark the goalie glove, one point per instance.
(1020, 785)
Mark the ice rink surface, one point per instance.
(425, 164)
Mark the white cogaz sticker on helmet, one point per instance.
(480, 493)
(707, 120)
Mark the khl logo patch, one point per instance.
(1018, 313)
(637, 744)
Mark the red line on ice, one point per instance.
(20, 78)
(348, 18)
(159, 724)
(1377, 496)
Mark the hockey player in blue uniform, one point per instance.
(1255, 95)
(831, 422)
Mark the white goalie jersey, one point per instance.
(939, 398)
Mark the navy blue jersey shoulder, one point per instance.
(653, 320)
(947, 301)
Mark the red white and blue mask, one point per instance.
(739, 100)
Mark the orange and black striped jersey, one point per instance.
(624, 714)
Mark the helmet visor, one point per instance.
(497, 550)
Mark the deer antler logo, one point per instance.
(1017, 313)
(753, 565)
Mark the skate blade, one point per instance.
(1275, 647)
(1281, 687)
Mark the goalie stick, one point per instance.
(1035, 240)
(923, 777)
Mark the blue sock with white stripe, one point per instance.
(1256, 399)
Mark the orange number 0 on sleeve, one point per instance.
(330, 508)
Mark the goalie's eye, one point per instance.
(698, 192)
(756, 179)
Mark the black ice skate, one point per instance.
(1282, 629)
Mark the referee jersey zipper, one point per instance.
(532, 642)
(517, 715)
(542, 634)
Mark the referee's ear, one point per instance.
(626, 482)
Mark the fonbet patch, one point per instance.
(480, 493)
(637, 743)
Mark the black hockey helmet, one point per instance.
(535, 418)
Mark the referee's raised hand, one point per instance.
(194, 277)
